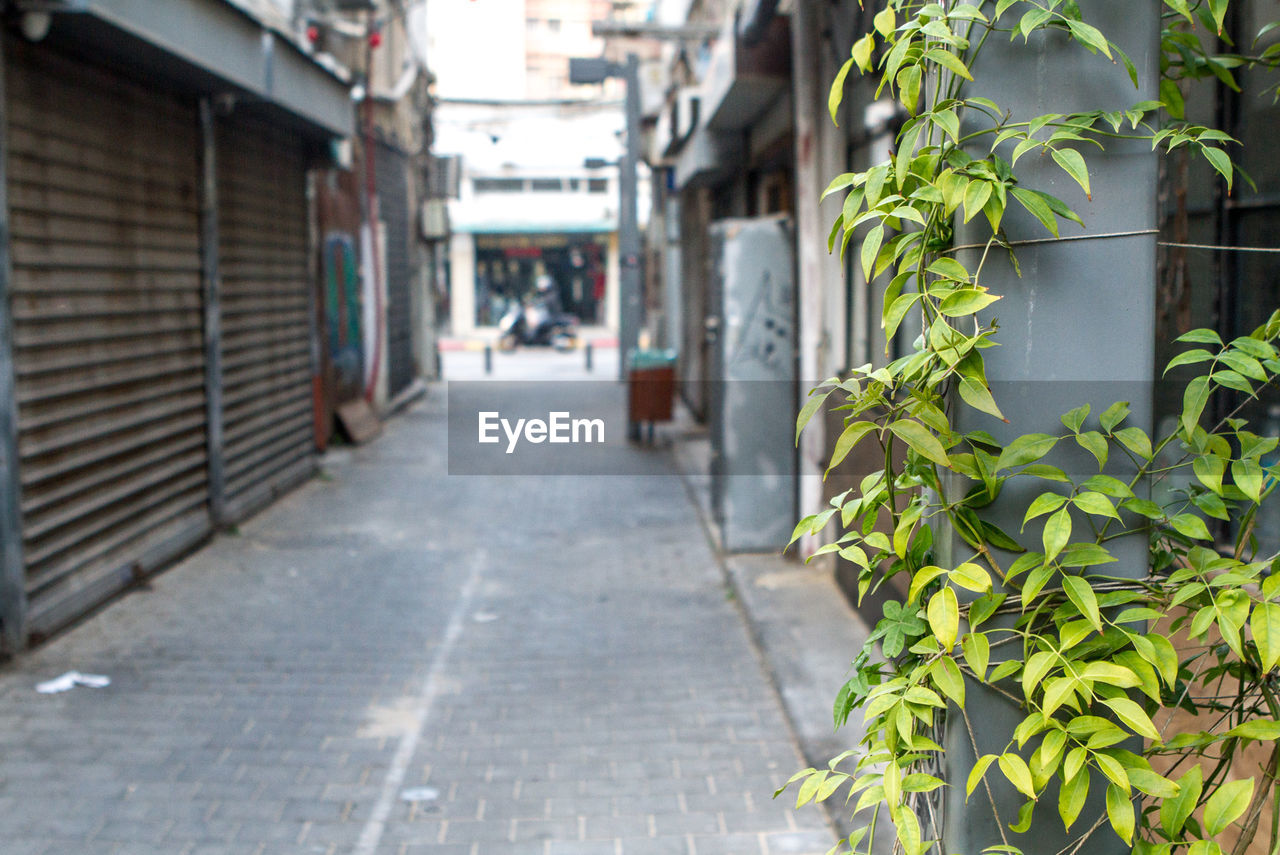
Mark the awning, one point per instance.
(210, 46)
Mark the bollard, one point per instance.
(587, 349)
(488, 359)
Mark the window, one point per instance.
(498, 185)
(545, 185)
(597, 185)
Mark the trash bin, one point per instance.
(651, 387)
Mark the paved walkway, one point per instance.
(392, 660)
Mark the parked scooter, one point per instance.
(538, 322)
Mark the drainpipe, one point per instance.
(372, 216)
(1077, 326)
(212, 287)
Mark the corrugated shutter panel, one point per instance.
(392, 177)
(268, 440)
(108, 345)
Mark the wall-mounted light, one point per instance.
(35, 25)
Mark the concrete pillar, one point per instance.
(462, 283)
(612, 284)
(1076, 327)
(821, 299)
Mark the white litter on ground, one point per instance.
(419, 794)
(70, 680)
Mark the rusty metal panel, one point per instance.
(107, 329)
(264, 263)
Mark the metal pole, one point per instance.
(13, 594)
(212, 295)
(630, 309)
(1076, 327)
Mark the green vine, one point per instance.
(1096, 664)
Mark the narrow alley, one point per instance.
(394, 660)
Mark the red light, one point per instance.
(313, 34)
(375, 39)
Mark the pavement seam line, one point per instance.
(376, 825)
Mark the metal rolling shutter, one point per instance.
(268, 440)
(108, 342)
(391, 178)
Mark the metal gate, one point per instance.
(392, 177)
(268, 441)
(108, 342)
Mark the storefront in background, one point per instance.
(490, 271)
(508, 266)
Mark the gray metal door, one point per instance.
(753, 395)
(267, 398)
(108, 343)
(392, 172)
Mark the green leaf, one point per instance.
(966, 301)
(1120, 812)
(946, 675)
(1071, 798)
(1114, 415)
(975, 197)
(944, 617)
(1037, 207)
(1136, 440)
(971, 577)
(1191, 526)
(949, 61)
(1265, 625)
(1265, 729)
(1111, 674)
(1080, 593)
(1026, 449)
(885, 21)
(1227, 805)
(1045, 503)
(976, 394)
(1015, 769)
(1218, 8)
(839, 183)
(807, 412)
(861, 51)
(1073, 164)
(1096, 504)
(847, 440)
(1134, 716)
(977, 653)
(835, 97)
(1096, 444)
(870, 248)
(1209, 469)
(1248, 476)
(1175, 811)
(1193, 401)
(918, 437)
(1090, 36)
(1057, 531)
(1171, 98)
(975, 774)
(1191, 357)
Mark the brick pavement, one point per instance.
(551, 663)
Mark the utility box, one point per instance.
(754, 392)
